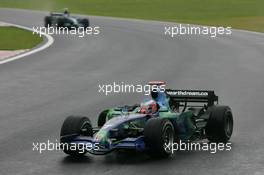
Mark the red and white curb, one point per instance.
(23, 53)
(5, 54)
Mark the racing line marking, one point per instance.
(51, 40)
(42, 47)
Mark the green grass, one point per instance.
(243, 14)
(13, 38)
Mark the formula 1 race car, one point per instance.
(168, 117)
(65, 20)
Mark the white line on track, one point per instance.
(51, 40)
(163, 23)
(30, 52)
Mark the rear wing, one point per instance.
(56, 14)
(198, 96)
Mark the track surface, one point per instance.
(39, 91)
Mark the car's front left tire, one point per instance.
(159, 137)
(102, 118)
(47, 21)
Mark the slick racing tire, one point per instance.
(219, 127)
(74, 126)
(47, 21)
(85, 22)
(102, 118)
(159, 137)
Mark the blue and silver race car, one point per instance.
(167, 117)
(65, 20)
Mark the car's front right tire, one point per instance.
(72, 127)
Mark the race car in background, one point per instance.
(65, 20)
(167, 117)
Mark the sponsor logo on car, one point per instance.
(186, 93)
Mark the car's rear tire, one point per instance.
(159, 136)
(74, 126)
(220, 124)
(85, 22)
(47, 21)
(102, 118)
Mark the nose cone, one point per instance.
(102, 137)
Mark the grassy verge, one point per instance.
(243, 14)
(13, 38)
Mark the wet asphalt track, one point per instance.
(39, 91)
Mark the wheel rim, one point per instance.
(228, 125)
(168, 139)
(85, 129)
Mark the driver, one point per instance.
(149, 107)
(158, 99)
(66, 12)
(158, 94)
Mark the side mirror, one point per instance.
(163, 109)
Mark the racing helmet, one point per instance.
(158, 93)
(157, 87)
(154, 95)
(149, 107)
(66, 11)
